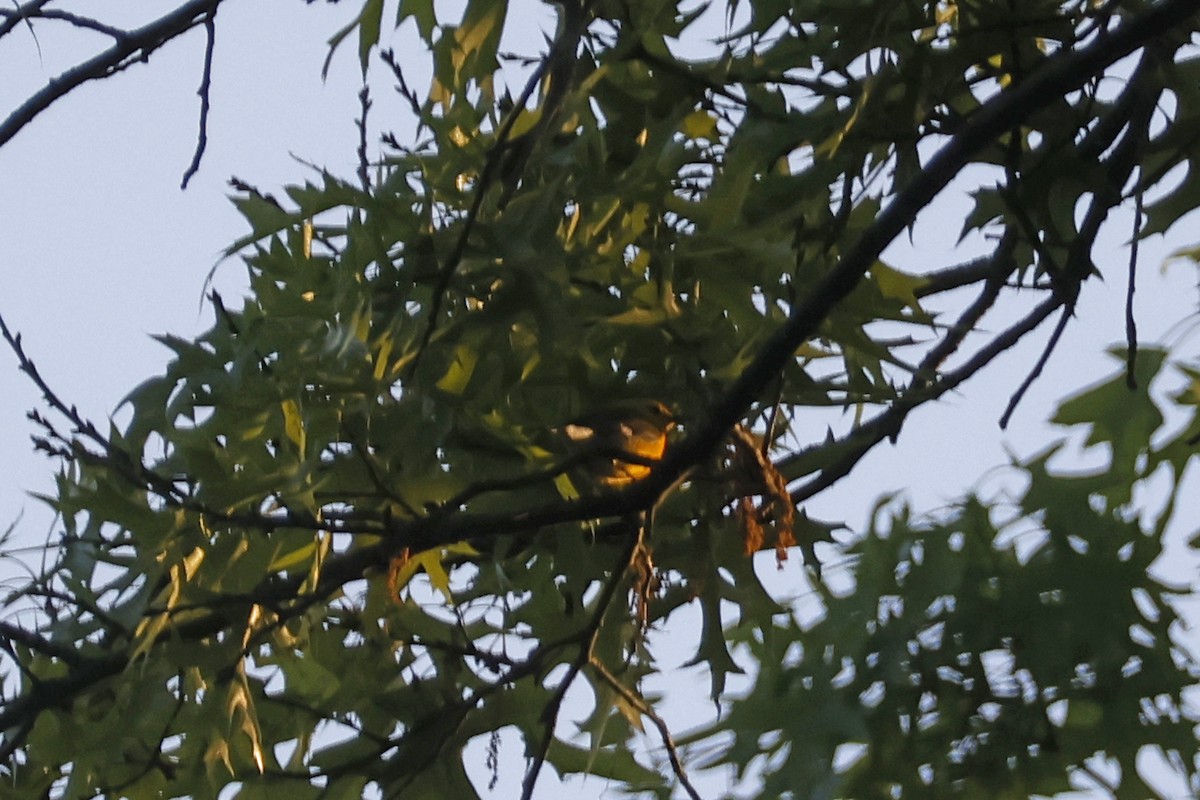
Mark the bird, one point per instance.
(639, 427)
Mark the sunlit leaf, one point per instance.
(458, 375)
(293, 423)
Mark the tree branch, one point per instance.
(589, 634)
(22, 14)
(136, 45)
(210, 32)
(32, 11)
(888, 423)
(15, 633)
(1117, 169)
(646, 710)
(1038, 366)
(1131, 334)
(956, 277)
(1060, 74)
(559, 62)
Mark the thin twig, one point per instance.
(1051, 343)
(1117, 169)
(563, 50)
(87, 23)
(22, 14)
(1131, 335)
(135, 48)
(131, 467)
(925, 385)
(210, 32)
(364, 167)
(27, 366)
(888, 423)
(646, 710)
(550, 712)
(414, 103)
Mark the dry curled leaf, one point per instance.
(755, 475)
(646, 583)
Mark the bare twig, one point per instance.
(210, 31)
(590, 633)
(1131, 334)
(1038, 366)
(402, 87)
(645, 709)
(82, 426)
(364, 167)
(129, 466)
(1000, 267)
(1118, 167)
(560, 59)
(888, 423)
(10, 20)
(138, 45)
(925, 382)
(75, 20)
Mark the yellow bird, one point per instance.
(637, 427)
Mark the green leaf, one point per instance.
(345, 787)
(477, 38)
(309, 680)
(293, 423)
(616, 764)
(423, 12)
(1119, 416)
(898, 285)
(369, 21)
(458, 374)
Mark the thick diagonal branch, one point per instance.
(1060, 74)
